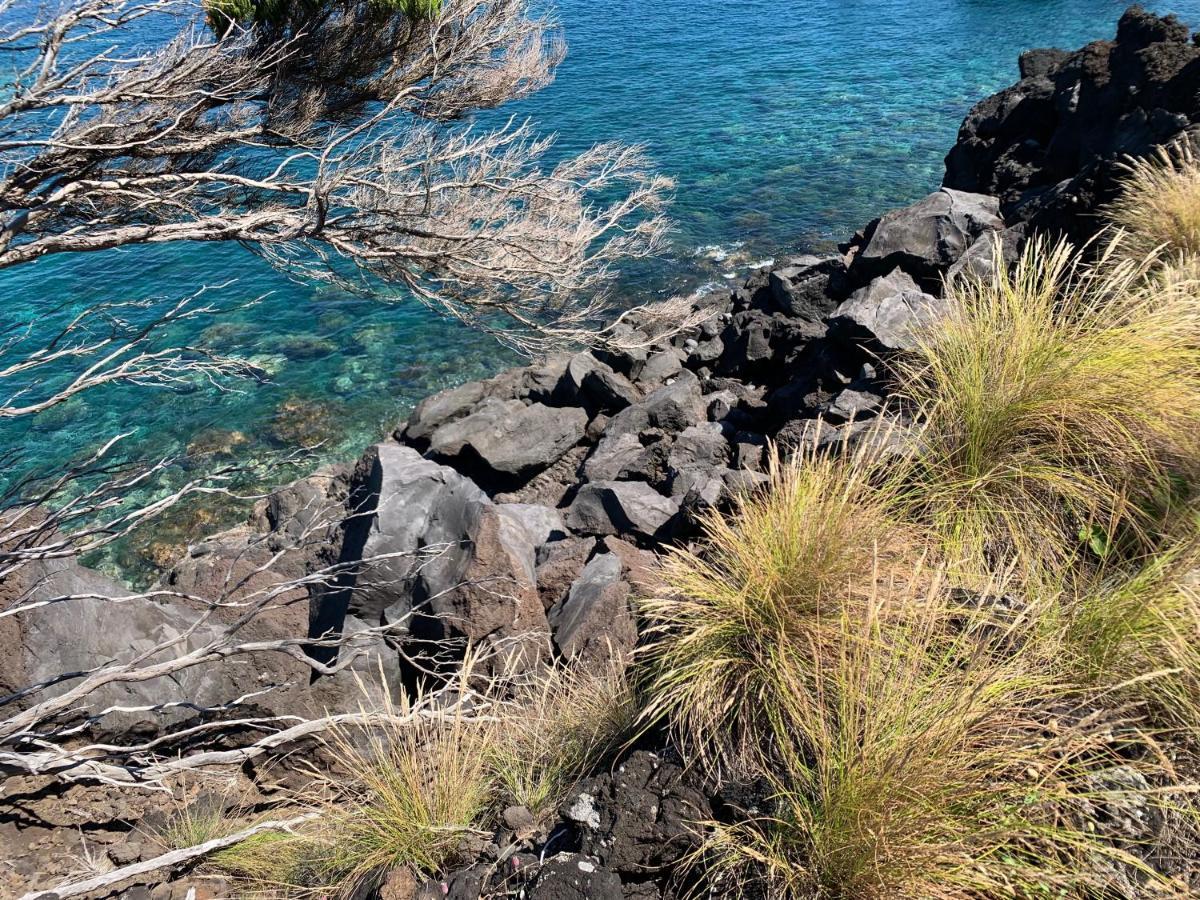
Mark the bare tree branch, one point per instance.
(322, 142)
(332, 141)
(104, 344)
(163, 861)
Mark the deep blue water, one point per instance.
(787, 125)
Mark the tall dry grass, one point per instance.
(558, 730)
(1060, 405)
(740, 620)
(405, 791)
(409, 787)
(1158, 205)
(1133, 635)
(925, 765)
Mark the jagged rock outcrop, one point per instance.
(1046, 145)
(929, 236)
(891, 311)
(594, 621)
(637, 819)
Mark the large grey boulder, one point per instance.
(624, 457)
(538, 382)
(897, 281)
(671, 408)
(626, 349)
(594, 623)
(441, 559)
(891, 310)
(930, 235)
(482, 587)
(401, 504)
(594, 385)
(446, 406)
(570, 390)
(621, 507)
(661, 366)
(510, 438)
(558, 565)
(979, 261)
(535, 384)
(541, 523)
(88, 620)
(803, 289)
(698, 487)
(610, 391)
(853, 405)
(700, 445)
(747, 345)
(302, 519)
(614, 457)
(100, 628)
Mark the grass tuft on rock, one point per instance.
(1158, 206)
(740, 620)
(406, 793)
(1060, 411)
(558, 730)
(410, 786)
(1134, 635)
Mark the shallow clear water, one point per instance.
(787, 125)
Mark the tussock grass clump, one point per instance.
(1159, 202)
(739, 621)
(408, 792)
(411, 785)
(1134, 634)
(418, 791)
(923, 768)
(272, 864)
(193, 824)
(558, 731)
(1180, 276)
(211, 817)
(1060, 404)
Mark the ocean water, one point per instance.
(787, 125)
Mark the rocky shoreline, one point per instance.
(521, 514)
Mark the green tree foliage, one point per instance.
(277, 13)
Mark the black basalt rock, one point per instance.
(1046, 146)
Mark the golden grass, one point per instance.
(558, 730)
(407, 793)
(1134, 634)
(1060, 402)
(193, 824)
(259, 863)
(1158, 206)
(739, 618)
(923, 768)
(408, 790)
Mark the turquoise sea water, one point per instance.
(787, 125)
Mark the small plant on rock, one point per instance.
(407, 792)
(559, 730)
